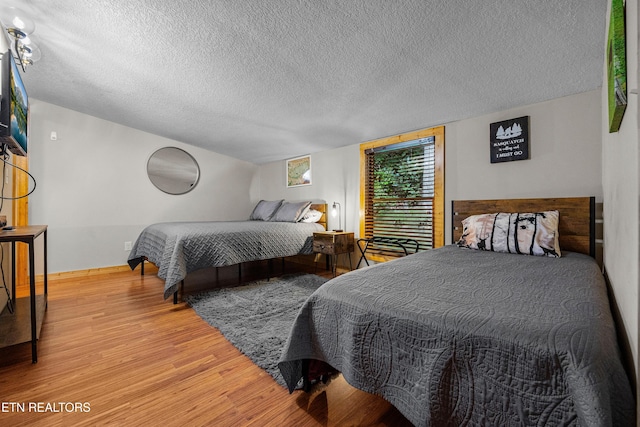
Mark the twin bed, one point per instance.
(459, 336)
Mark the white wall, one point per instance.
(93, 192)
(565, 161)
(565, 150)
(335, 177)
(621, 192)
(564, 153)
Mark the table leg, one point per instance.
(46, 273)
(334, 264)
(32, 299)
(13, 273)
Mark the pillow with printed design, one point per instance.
(531, 233)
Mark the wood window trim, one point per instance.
(438, 199)
(20, 214)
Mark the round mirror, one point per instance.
(173, 170)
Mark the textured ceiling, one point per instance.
(264, 80)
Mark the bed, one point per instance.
(457, 336)
(275, 229)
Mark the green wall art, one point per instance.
(616, 66)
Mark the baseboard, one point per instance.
(148, 267)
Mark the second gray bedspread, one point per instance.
(454, 336)
(178, 248)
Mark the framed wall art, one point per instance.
(509, 140)
(299, 171)
(616, 66)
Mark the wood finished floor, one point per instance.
(109, 340)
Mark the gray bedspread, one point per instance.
(454, 336)
(179, 248)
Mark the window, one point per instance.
(402, 190)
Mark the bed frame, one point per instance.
(321, 207)
(577, 225)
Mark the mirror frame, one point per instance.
(173, 171)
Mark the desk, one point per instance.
(13, 329)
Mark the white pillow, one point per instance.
(312, 215)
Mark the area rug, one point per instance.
(256, 318)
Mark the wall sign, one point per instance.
(509, 140)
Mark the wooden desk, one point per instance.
(13, 326)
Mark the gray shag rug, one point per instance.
(257, 317)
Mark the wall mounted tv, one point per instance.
(14, 107)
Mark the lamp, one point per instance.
(335, 211)
(19, 27)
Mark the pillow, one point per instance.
(291, 212)
(312, 215)
(265, 209)
(521, 233)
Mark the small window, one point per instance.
(402, 190)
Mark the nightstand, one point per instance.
(333, 243)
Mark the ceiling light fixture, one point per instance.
(29, 53)
(20, 27)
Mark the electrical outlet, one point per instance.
(127, 246)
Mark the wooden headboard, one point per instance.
(577, 225)
(321, 207)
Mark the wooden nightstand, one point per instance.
(333, 243)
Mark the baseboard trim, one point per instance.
(148, 267)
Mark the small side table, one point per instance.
(17, 327)
(333, 243)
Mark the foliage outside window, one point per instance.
(402, 189)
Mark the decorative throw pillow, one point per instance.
(521, 233)
(265, 209)
(291, 212)
(312, 215)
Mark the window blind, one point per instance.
(399, 193)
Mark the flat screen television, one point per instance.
(14, 107)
